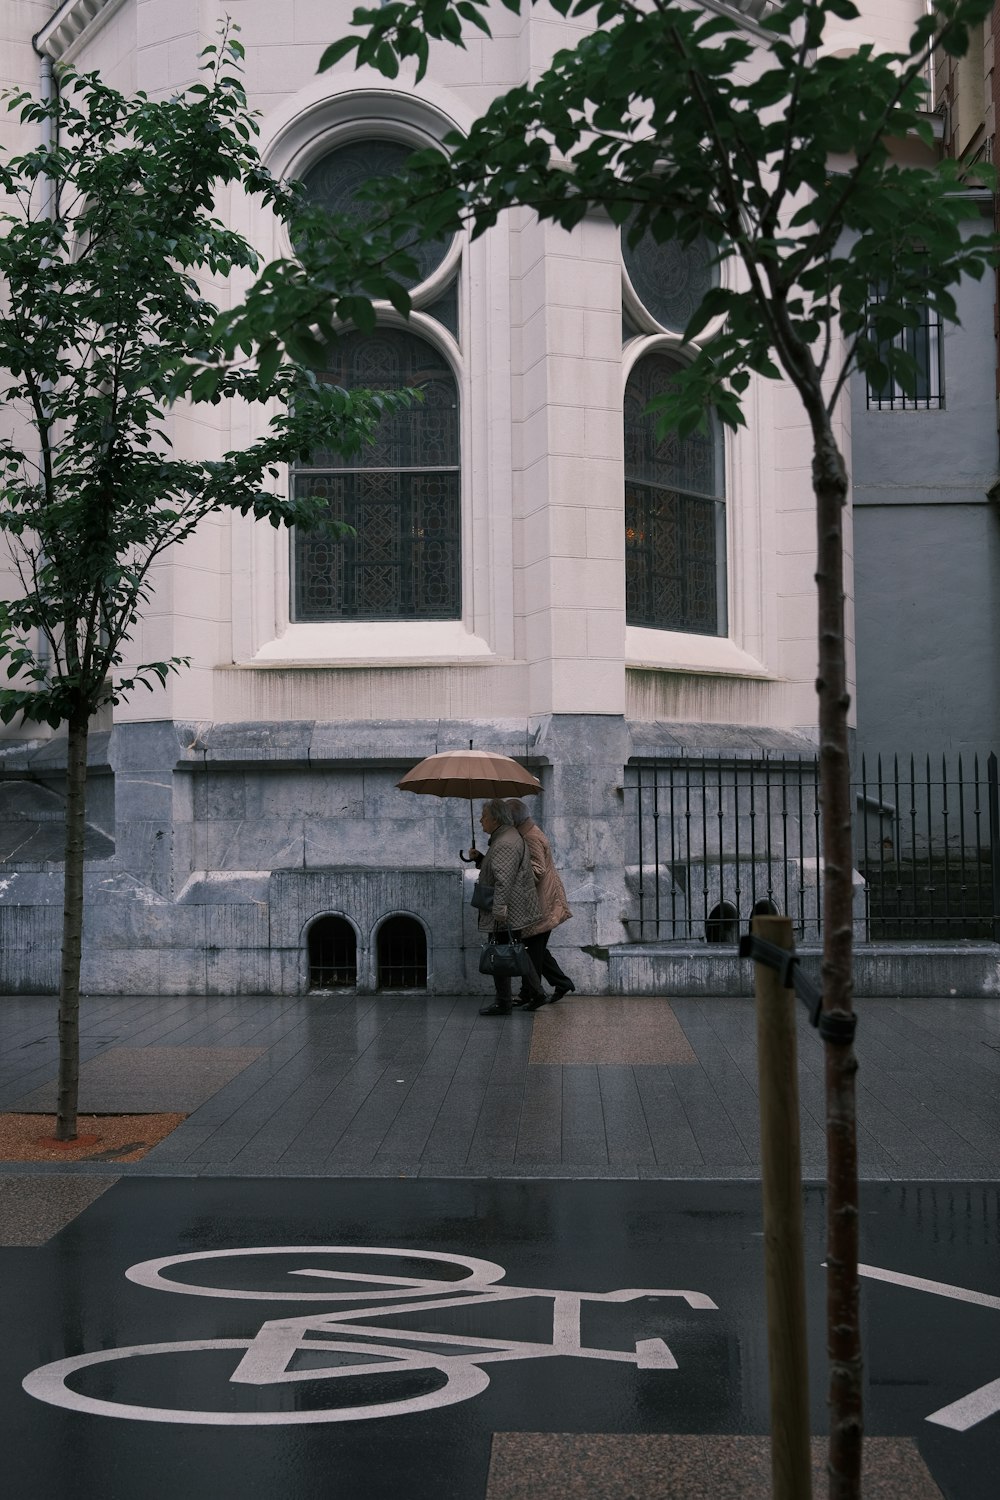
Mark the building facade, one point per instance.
(534, 572)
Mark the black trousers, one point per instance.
(545, 965)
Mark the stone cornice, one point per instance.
(73, 22)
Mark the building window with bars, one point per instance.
(333, 954)
(920, 345)
(402, 954)
(400, 494)
(675, 524)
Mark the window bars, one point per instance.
(922, 344)
(712, 840)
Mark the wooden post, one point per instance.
(791, 1466)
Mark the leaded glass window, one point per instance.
(401, 494)
(333, 183)
(675, 570)
(669, 279)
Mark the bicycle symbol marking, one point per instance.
(345, 1344)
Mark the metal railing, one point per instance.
(713, 840)
(927, 842)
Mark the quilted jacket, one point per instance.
(507, 868)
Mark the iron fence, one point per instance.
(713, 840)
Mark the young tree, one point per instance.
(674, 120)
(109, 241)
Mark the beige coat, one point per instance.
(507, 868)
(551, 894)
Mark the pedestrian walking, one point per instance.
(554, 908)
(506, 868)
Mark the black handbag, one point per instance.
(506, 959)
(482, 896)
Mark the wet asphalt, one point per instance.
(388, 1374)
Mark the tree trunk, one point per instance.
(843, 1313)
(72, 938)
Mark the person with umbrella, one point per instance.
(506, 865)
(506, 869)
(551, 898)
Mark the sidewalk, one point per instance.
(410, 1085)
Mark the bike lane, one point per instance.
(316, 1362)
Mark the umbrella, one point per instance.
(470, 773)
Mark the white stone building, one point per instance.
(531, 574)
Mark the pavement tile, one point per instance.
(308, 1086)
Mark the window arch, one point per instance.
(333, 954)
(334, 181)
(401, 494)
(402, 954)
(675, 552)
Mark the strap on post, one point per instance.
(836, 1026)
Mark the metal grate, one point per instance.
(928, 846)
(333, 954)
(714, 840)
(402, 955)
(922, 345)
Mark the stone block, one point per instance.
(147, 798)
(30, 941)
(238, 971)
(235, 926)
(311, 794)
(155, 747)
(259, 844)
(218, 795)
(141, 925)
(51, 755)
(222, 887)
(379, 741)
(122, 972)
(250, 743)
(367, 843)
(27, 888)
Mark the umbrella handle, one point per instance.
(472, 855)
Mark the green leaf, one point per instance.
(337, 51)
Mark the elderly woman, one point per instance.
(506, 866)
(551, 899)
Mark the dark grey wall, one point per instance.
(927, 553)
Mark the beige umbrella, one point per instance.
(470, 773)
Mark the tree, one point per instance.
(109, 241)
(670, 119)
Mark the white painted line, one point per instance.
(976, 1407)
(936, 1288)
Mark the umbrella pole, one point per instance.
(472, 822)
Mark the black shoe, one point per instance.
(536, 1002)
(568, 988)
(496, 1009)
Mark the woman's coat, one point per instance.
(551, 894)
(507, 868)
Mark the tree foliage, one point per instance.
(110, 250)
(675, 121)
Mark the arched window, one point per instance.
(333, 954)
(334, 181)
(402, 954)
(401, 494)
(669, 279)
(675, 551)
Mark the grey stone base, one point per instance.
(887, 970)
